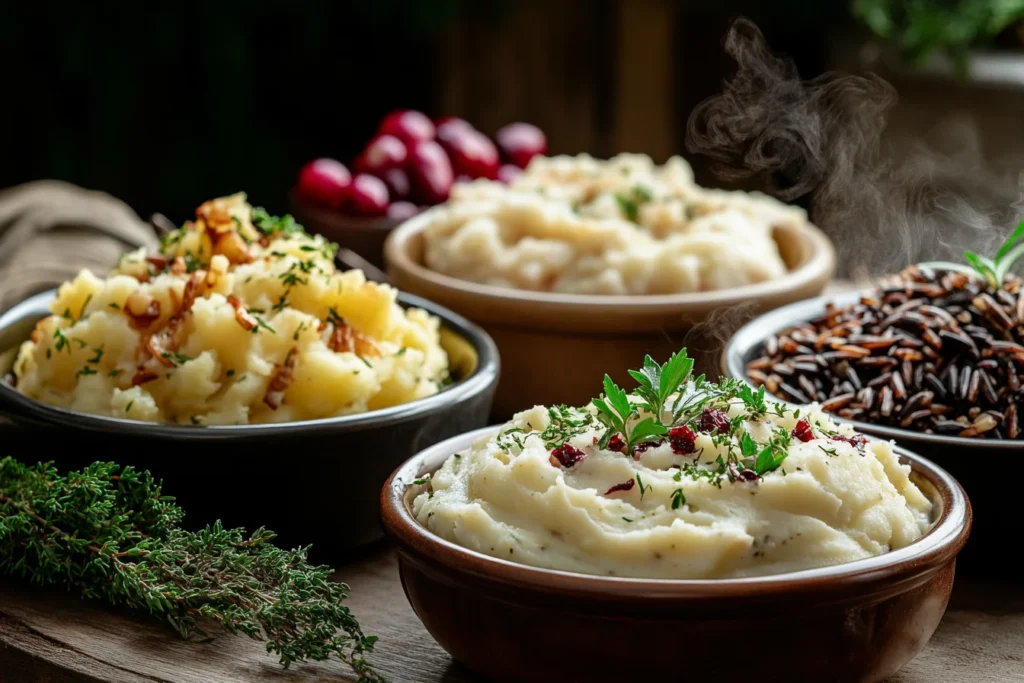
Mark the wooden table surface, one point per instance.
(56, 638)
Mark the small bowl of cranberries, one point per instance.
(409, 164)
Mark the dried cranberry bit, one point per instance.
(683, 440)
(567, 455)
(617, 443)
(639, 449)
(624, 486)
(712, 420)
(857, 440)
(802, 431)
(748, 475)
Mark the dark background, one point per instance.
(166, 107)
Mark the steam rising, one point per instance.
(822, 138)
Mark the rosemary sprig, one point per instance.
(110, 534)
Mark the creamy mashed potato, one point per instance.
(622, 226)
(691, 506)
(240, 318)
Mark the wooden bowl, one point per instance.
(554, 346)
(365, 236)
(971, 461)
(315, 481)
(857, 622)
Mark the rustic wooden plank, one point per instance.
(52, 637)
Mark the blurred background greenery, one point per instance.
(167, 105)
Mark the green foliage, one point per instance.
(992, 270)
(110, 534)
(919, 28)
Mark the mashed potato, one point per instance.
(240, 318)
(697, 503)
(623, 226)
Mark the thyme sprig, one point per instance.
(110, 534)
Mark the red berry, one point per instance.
(397, 181)
(407, 125)
(857, 440)
(624, 486)
(324, 182)
(617, 443)
(471, 152)
(639, 449)
(520, 142)
(802, 431)
(384, 153)
(368, 196)
(567, 455)
(402, 210)
(430, 172)
(683, 440)
(507, 173)
(714, 420)
(447, 122)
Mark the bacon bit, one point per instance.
(344, 339)
(683, 440)
(158, 261)
(142, 309)
(281, 380)
(566, 455)
(37, 335)
(617, 443)
(264, 241)
(143, 375)
(232, 246)
(178, 266)
(322, 326)
(188, 297)
(712, 420)
(802, 431)
(624, 486)
(243, 316)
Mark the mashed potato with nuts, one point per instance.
(623, 226)
(729, 491)
(240, 318)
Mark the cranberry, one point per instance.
(408, 125)
(747, 475)
(507, 173)
(384, 153)
(857, 440)
(641, 447)
(682, 440)
(448, 123)
(624, 486)
(402, 210)
(430, 172)
(471, 152)
(397, 181)
(520, 142)
(714, 420)
(324, 182)
(368, 196)
(566, 455)
(802, 431)
(617, 443)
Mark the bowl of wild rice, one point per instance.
(932, 357)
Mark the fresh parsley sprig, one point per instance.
(656, 383)
(615, 411)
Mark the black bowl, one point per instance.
(985, 468)
(316, 481)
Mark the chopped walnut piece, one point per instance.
(344, 339)
(281, 380)
(242, 315)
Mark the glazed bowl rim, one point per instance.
(940, 544)
(483, 377)
(820, 264)
(754, 333)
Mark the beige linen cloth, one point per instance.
(50, 230)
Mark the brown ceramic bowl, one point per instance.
(554, 345)
(851, 623)
(365, 236)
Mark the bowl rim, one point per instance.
(940, 544)
(483, 378)
(819, 265)
(754, 332)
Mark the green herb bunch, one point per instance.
(110, 534)
(919, 28)
(992, 270)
